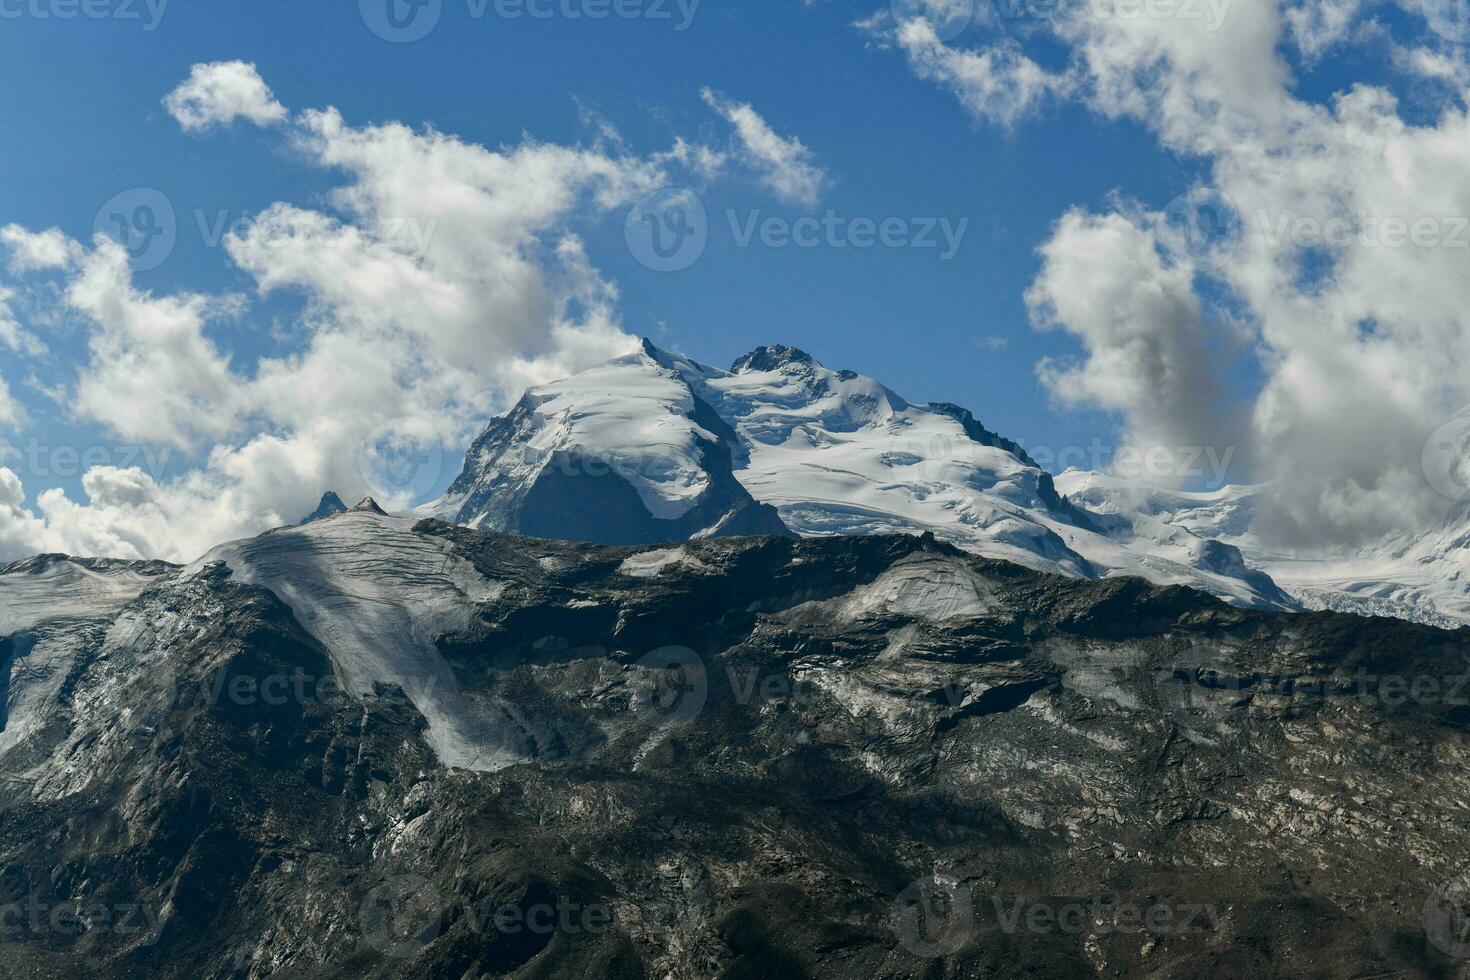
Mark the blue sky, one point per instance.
(899, 128)
(92, 125)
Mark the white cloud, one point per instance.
(12, 334)
(1431, 64)
(22, 533)
(218, 93)
(1147, 342)
(1362, 340)
(10, 411)
(32, 251)
(787, 167)
(154, 375)
(445, 278)
(1318, 25)
(999, 84)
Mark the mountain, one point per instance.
(1419, 576)
(331, 504)
(51, 608)
(57, 587)
(370, 747)
(655, 447)
(624, 453)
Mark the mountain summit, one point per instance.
(623, 453)
(654, 447)
(331, 504)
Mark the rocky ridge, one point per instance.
(841, 757)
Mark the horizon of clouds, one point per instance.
(444, 278)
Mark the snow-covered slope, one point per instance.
(838, 453)
(51, 608)
(1417, 576)
(58, 587)
(830, 452)
(623, 453)
(377, 596)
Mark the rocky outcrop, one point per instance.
(331, 504)
(844, 757)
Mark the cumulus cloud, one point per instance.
(218, 93)
(22, 533)
(438, 280)
(1349, 270)
(787, 167)
(1147, 341)
(32, 251)
(154, 375)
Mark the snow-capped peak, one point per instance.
(654, 446)
(622, 453)
(367, 505)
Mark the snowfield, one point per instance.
(834, 453)
(1424, 577)
(51, 587)
(377, 596)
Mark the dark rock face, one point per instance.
(331, 504)
(848, 757)
(771, 357)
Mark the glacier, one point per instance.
(654, 447)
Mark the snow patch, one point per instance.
(651, 564)
(64, 589)
(378, 596)
(928, 588)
